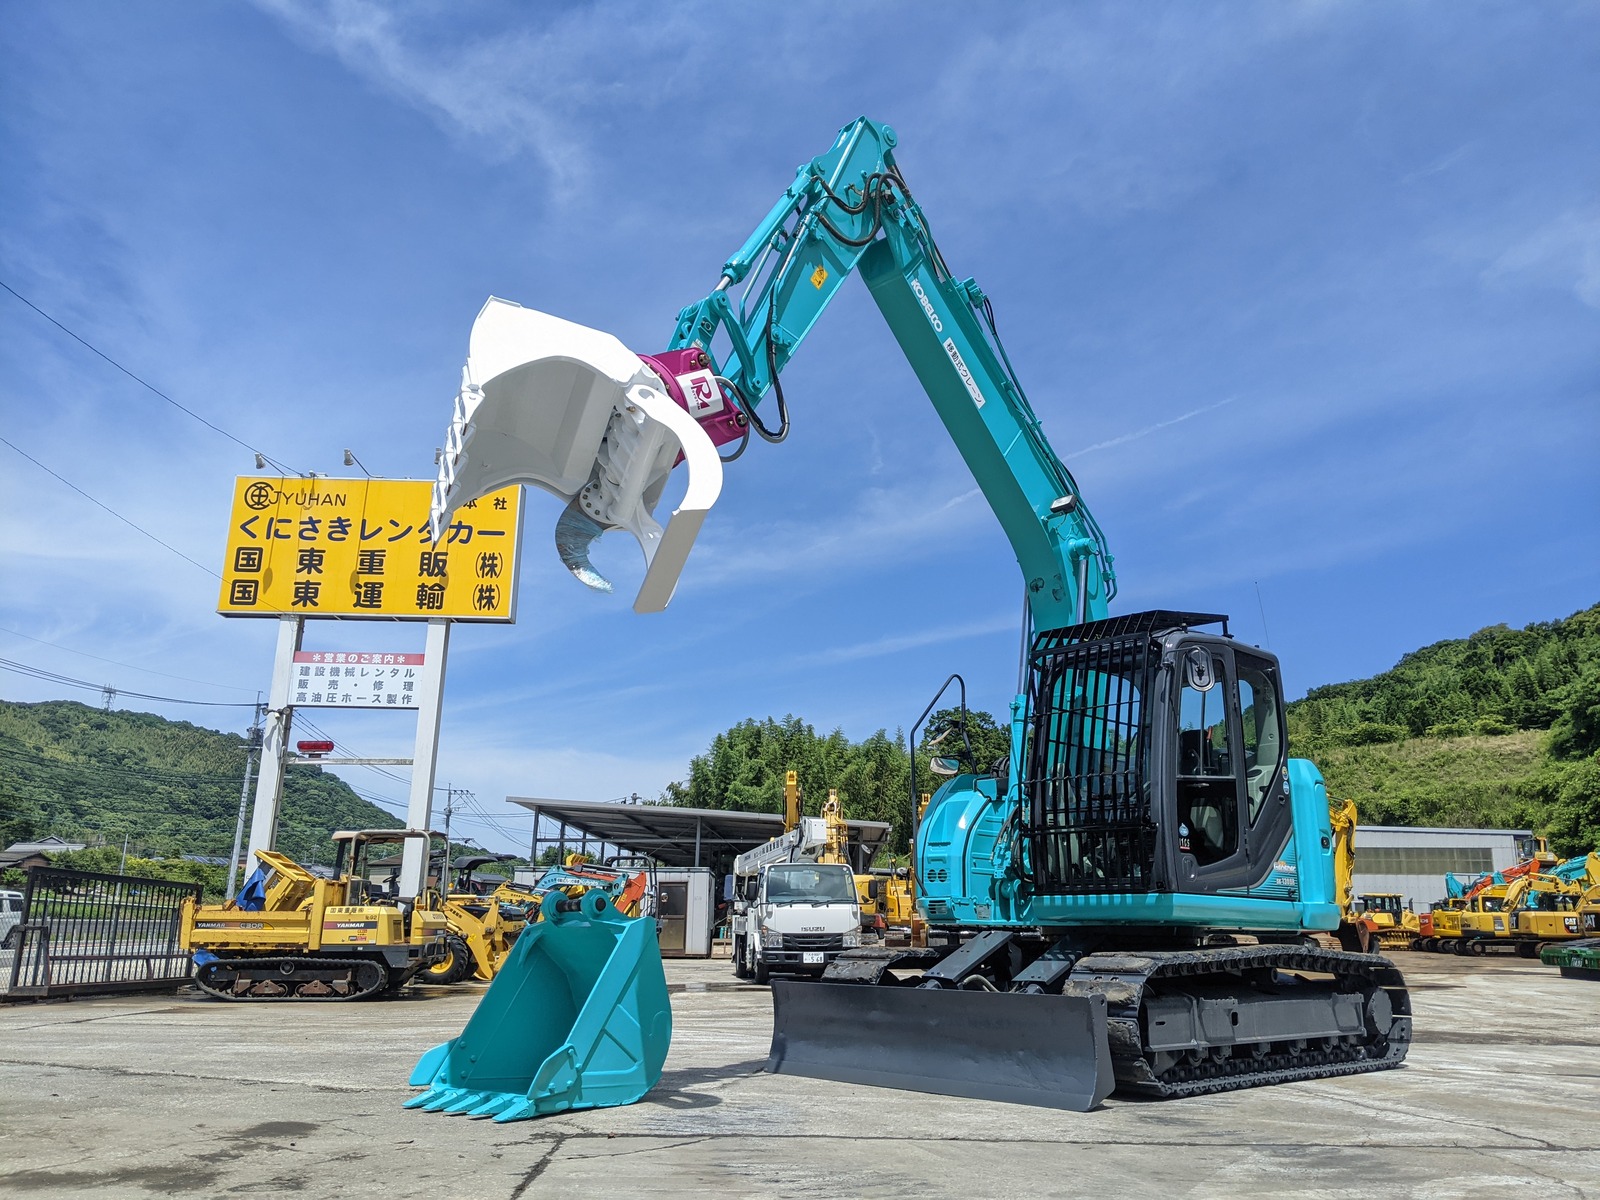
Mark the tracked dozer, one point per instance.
(1134, 901)
(293, 935)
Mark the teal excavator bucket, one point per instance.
(577, 1017)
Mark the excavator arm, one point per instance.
(569, 409)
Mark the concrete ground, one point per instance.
(179, 1095)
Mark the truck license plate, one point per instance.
(811, 957)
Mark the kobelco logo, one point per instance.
(927, 307)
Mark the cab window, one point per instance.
(1208, 798)
(1262, 734)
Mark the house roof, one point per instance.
(46, 845)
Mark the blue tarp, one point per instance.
(252, 896)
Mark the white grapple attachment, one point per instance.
(572, 410)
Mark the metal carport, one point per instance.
(675, 837)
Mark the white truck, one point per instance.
(792, 915)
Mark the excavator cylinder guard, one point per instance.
(572, 410)
(578, 1017)
(1048, 1051)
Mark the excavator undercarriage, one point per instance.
(1066, 1029)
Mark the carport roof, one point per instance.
(668, 834)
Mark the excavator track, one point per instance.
(296, 977)
(1189, 1022)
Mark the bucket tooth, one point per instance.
(465, 1103)
(577, 1017)
(441, 1100)
(495, 1105)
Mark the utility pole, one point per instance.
(444, 867)
(252, 748)
(122, 867)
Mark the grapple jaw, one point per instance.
(577, 1017)
(572, 410)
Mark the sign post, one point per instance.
(419, 809)
(360, 549)
(275, 744)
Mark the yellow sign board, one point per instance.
(360, 548)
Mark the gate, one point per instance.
(84, 933)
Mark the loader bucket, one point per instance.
(577, 1017)
(1048, 1051)
(572, 410)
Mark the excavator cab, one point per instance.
(1155, 758)
(1151, 787)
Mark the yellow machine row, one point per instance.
(293, 935)
(1537, 904)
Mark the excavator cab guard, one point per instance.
(577, 1017)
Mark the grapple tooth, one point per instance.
(576, 531)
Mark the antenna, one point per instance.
(1264, 633)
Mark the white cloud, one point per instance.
(1564, 252)
(895, 643)
(884, 526)
(1125, 438)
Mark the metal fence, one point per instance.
(82, 932)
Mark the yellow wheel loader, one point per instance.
(483, 928)
(292, 935)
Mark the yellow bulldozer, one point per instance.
(292, 935)
(1390, 922)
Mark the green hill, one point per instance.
(1498, 729)
(171, 787)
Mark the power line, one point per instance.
(20, 668)
(107, 507)
(232, 687)
(145, 383)
(148, 773)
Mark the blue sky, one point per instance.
(1307, 295)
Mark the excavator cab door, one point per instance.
(1231, 813)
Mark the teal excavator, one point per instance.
(1133, 900)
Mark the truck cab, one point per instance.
(794, 919)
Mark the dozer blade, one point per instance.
(1048, 1051)
(577, 1017)
(572, 410)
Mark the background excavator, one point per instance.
(1580, 958)
(1130, 902)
